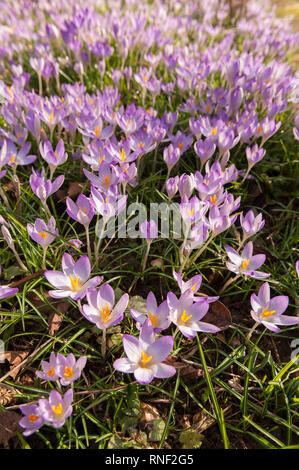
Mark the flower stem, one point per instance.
(228, 283)
(21, 264)
(44, 257)
(5, 200)
(203, 248)
(103, 345)
(146, 256)
(88, 242)
(251, 331)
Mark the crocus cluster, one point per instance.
(55, 409)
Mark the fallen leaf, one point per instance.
(219, 315)
(7, 394)
(156, 433)
(9, 426)
(74, 189)
(188, 372)
(14, 358)
(148, 413)
(54, 322)
(191, 439)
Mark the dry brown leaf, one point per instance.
(54, 321)
(219, 315)
(7, 394)
(148, 413)
(14, 358)
(9, 426)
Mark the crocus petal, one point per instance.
(82, 268)
(161, 348)
(163, 371)
(143, 375)
(57, 279)
(131, 347)
(279, 304)
(124, 365)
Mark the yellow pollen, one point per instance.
(13, 159)
(184, 317)
(122, 154)
(56, 154)
(97, 131)
(267, 313)
(83, 210)
(10, 91)
(141, 145)
(106, 180)
(51, 372)
(62, 99)
(51, 117)
(194, 287)
(206, 182)
(57, 409)
(208, 108)
(181, 145)
(19, 135)
(105, 313)
(145, 358)
(68, 372)
(191, 212)
(229, 123)
(79, 101)
(128, 122)
(245, 263)
(153, 318)
(32, 418)
(260, 130)
(214, 130)
(213, 199)
(42, 234)
(144, 78)
(74, 282)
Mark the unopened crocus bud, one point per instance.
(186, 185)
(171, 156)
(172, 186)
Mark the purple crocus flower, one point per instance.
(42, 233)
(172, 186)
(73, 280)
(81, 211)
(69, 369)
(53, 158)
(6, 291)
(204, 149)
(145, 356)
(297, 267)
(57, 408)
(246, 264)
(101, 309)
(254, 155)
(158, 315)
(19, 157)
(171, 156)
(269, 311)
(187, 314)
(43, 189)
(193, 285)
(149, 230)
(32, 420)
(50, 369)
(251, 224)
